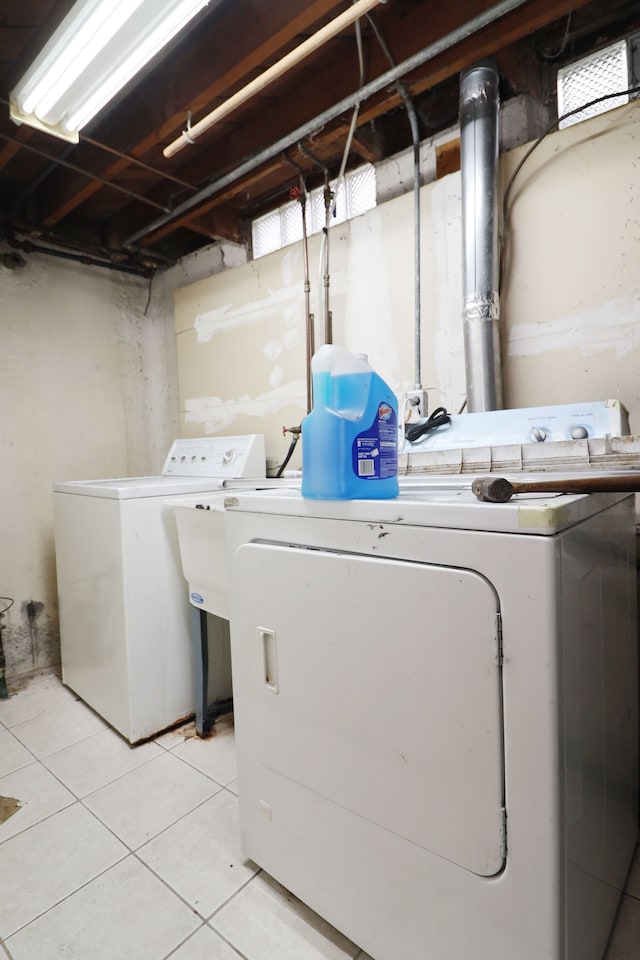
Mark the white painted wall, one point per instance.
(241, 335)
(572, 301)
(88, 389)
(570, 304)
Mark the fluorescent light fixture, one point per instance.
(99, 46)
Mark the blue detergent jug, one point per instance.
(350, 437)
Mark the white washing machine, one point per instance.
(436, 715)
(125, 619)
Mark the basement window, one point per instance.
(604, 72)
(355, 195)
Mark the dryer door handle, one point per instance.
(269, 659)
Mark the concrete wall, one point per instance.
(88, 389)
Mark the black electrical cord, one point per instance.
(438, 418)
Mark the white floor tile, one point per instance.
(215, 755)
(146, 801)
(265, 922)
(39, 794)
(625, 940)
(200, 856)
(205, 945)
(50, 860)
(59, 728)
(12, 754)
(86, 766)
(32, 701)
(124, 913)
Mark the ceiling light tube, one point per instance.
(359, 8)
(76, 55)
(96, 50)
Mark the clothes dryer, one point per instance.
(436, 715)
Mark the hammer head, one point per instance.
(492, 489)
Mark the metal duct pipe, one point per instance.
(479, 111)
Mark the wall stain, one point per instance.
(31, 609)
(31, 639)
(8, 806)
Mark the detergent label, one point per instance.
(375, 451)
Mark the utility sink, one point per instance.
(200, 523)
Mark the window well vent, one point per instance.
(601, 73)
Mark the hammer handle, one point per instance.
(623, 483)
(499, 490)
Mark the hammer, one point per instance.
(499, 490)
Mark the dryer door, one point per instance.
(375, 683)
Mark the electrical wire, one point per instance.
(417, 256)
(149, 296)
(438, 418)
(58, 161)
(331, 201)
(550, 129)
(563, 45)
(354, 118)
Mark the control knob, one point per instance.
(538, 435)
(578, 432)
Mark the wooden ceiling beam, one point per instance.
(255, 44)
(414, 30)
(487, 42)
(218, 201)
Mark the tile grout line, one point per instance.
(48, 816)
(72, 698)
(72, 893)
(29, 751)
(5, 949)
(236, 952)
(258, 873)
(151, 870)
(129, 853)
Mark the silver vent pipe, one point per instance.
(479, 113)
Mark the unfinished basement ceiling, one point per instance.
(115, 199)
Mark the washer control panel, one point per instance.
(240, 457)
(575, 421)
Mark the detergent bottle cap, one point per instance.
(336, 360)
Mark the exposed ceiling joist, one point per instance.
(251, 159)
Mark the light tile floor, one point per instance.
(118, 852)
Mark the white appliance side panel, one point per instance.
(375, 683)
(157, 617)
(600, 711)
(89, 566)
